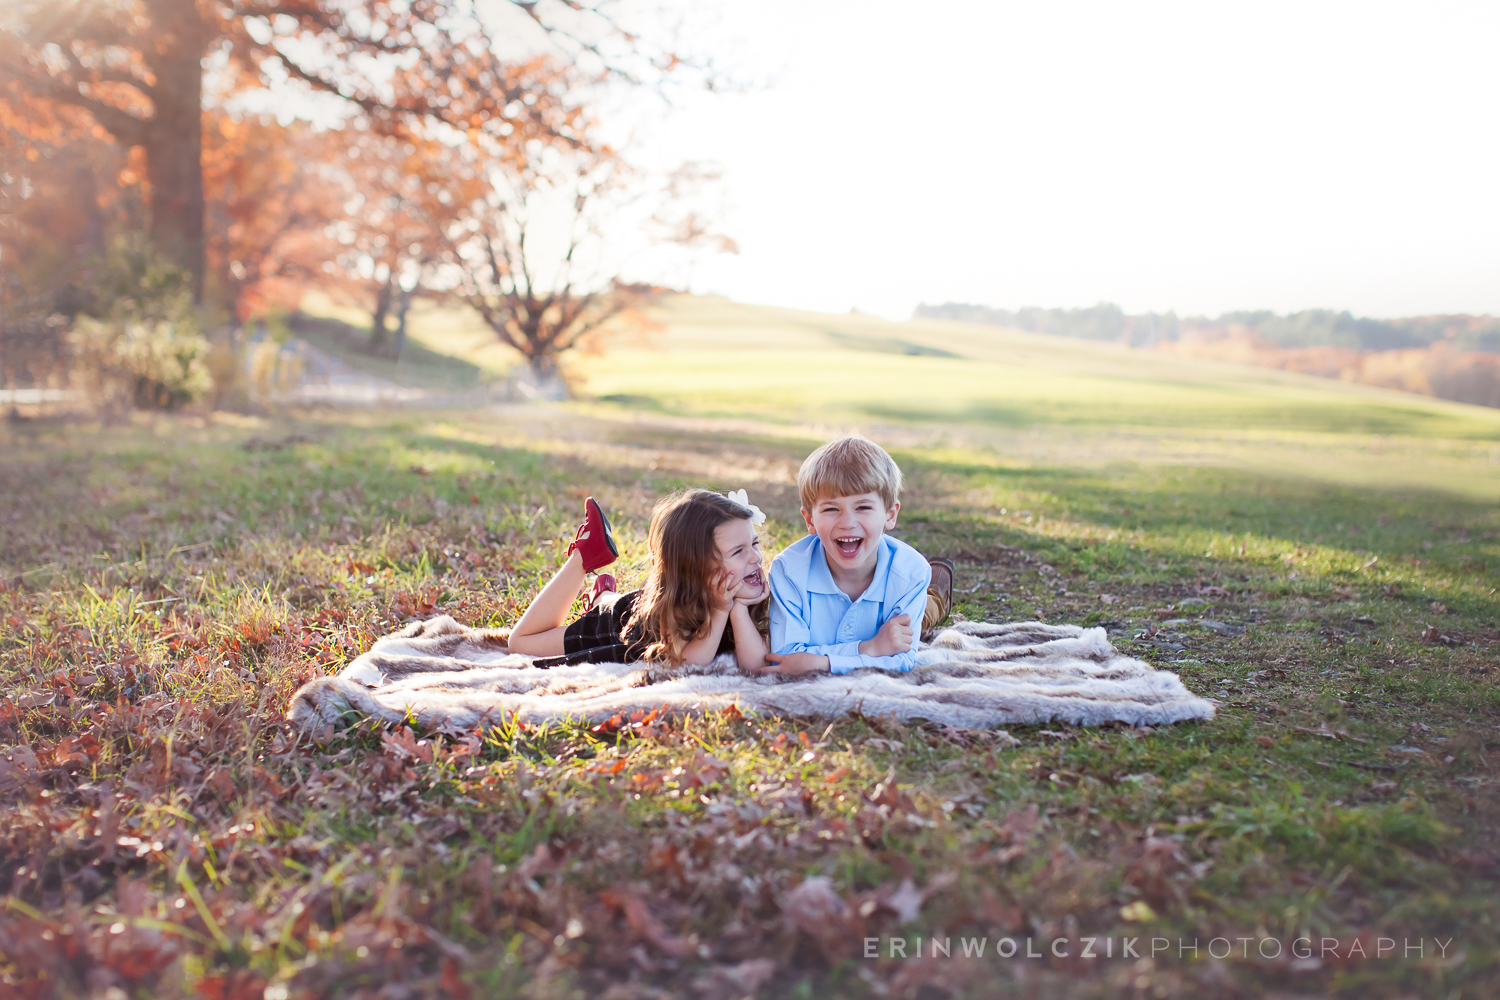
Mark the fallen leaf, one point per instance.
(403, 745)
(1153, 871)
(222, 784)
(238, 985)
(730, 982)
(1021, 825)
(452, 981)
(905, 902)
(641, 920)
(817, 909)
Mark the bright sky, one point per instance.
(1200, 157)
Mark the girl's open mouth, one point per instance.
(754, 581)
(848, 547)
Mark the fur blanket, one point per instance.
(453, 678)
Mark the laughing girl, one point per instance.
(706, 592)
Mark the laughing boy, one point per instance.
(845, 597)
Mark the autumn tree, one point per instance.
(137, 68)
(403, 192)
(273, 194)
(64, 188)
(540, 256)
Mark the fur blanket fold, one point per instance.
(453, 678)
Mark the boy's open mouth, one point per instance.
(848, 547)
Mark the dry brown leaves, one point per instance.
(1154, 870)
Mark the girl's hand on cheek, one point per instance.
(722, 587)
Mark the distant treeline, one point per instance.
(1451, 357)
(1308, 328)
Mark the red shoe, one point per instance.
(604, 583)
(595, 542)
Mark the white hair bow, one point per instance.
(743, 499)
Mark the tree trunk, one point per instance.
(402, 308)
(377, 318)
(545, 378)
(174, 137)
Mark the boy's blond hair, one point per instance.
(847, 467)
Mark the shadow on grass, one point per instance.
(1429, 525)
(886, 345)
(1265, 413)
(415, 366)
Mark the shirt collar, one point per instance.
(820, 577)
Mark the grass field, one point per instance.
(170, 583)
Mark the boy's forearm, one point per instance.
(846, 656)
(897, 663)
(833, 649)
(859, 659)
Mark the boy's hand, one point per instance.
(895, 636)
(793, 664)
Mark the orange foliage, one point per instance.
(404, 192)
(271, 200)
(1439, 370)
(63, 178)
(62, 185)
(136, 68)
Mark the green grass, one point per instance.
(169, 584)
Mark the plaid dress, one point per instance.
(599, 635)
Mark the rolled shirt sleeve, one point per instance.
(914, 603)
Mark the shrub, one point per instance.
(143, 346)
(149, 358)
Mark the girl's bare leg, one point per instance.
(540, 630)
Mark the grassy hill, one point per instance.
(1010, 395)
(1312, 555)
(1038, 397)
(725, 358)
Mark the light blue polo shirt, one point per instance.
(809, 614)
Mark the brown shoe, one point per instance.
(943, 572)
